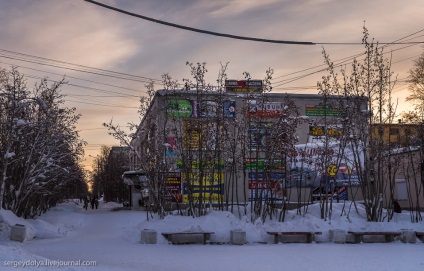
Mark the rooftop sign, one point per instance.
(243, 86)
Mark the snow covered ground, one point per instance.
(68, 234)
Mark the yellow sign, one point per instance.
(332, 170)
(210, 186)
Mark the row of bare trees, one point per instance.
(106, 175)
(40, 149)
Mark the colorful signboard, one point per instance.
(179, 108)
(265, 109)
(229, 109)
(243, 86)
(208, 109)
(182, 108)
(258, 135)
(320, 131)
(340, 168)
(261, 164)
(264, 186)
(171, 145)
(173, 187)
(320, 110)
(206, 164)
(210, 186)
(198, 134)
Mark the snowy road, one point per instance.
(110, 239)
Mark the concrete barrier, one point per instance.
(148, 236)
(338, 236)
(408, 236)
(18, 233)
(237, 237)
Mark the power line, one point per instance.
(228, 35)
(94, 71)
(119, 94)
(199, 30)
(73, 77)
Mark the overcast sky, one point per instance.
(79, 32)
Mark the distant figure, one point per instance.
(93, 201)
(396, 207)
(96, 202)
(86, 200)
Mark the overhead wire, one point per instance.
(72, 77)
(202, 31)
(87, 68)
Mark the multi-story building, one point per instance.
(240, 144)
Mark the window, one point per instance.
(401, 191)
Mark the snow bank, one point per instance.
(295, 220)
(9, 219)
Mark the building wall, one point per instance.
(244, 182)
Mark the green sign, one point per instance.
(179, 108)
(319, 110)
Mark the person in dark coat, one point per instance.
(396, 207)
(86, 200)
(396, 210)
(93, 201)
(96, 202)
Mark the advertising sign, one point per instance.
(243, 86)
(208, 109)
(320, 131)
(173, 187)
(171, 145)
(265, 186)
(261, 164)
(182, 108)
(211, 186)
(266, 109)
(258, 135)
(198, 134)
(229, 108)
(205, 164)
(340, 169)
(320, 110)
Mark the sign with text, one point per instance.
(320, 110)
(320, 131)
(181, 108)
(243, 86)
(265, 109)
(209, 185)
(173, 187)
(259, 134)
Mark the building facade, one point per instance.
(241, 145)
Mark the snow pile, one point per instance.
(58, 221)
(112, 240)
(109, 205)
(8, 220)
(222, 223)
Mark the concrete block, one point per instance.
(237, 237)
(338, 236)
(408, 236)
(148, 236)
(18, 233)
